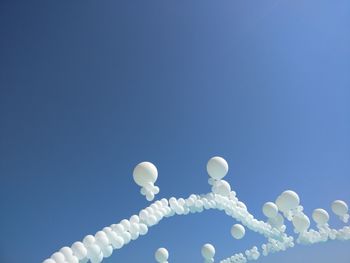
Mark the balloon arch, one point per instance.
(286, 207)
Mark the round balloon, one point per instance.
(339, 207)
(276, 221)
(208, 251)
(320, 216)
(287, 200)
(217, 167)
(66, 251)
(301, 222)
(144, 173)
(58, 257)
(221, 188)
(238, 231)
(101, 239)
(161, 254)
(79, 250)
(270, 209)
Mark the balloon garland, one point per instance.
(287, 206)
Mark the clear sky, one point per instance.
(88, 89)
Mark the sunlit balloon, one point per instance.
(301, 222)
(101, 239)
(208, 251)
(339, 207)
(237, 231)
(58, 257)
(221, 187)
(217, 167)
(287, 200)
(320, 216)
(107, 251)
(270, 209)
(144, 173)
(276, 221)
(79, 250)
(161, 255)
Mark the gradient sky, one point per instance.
(88, 89)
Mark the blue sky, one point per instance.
(88, 89)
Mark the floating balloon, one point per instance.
(208, 251)
(101, 239)
(217, 168)
(320, 216)
(287, 200)
(277, 221)
(95, 247)
(339, 207)
(107, 251)
(161, 255)
(237, 231)
(58, 257)
(79, 250)
(301, 223)
(270, 209)
(221, 187)
(144, 173)
(89, 240)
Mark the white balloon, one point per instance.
(72, 259)
(118, 228)
(221, 188)
(217, 167)
(93, 251)
(164, 201)
(287, 200)
(58, 257)
(208, 251)
(143, 214)
(339, 207)
(126, 237)
(143, 229)
(144, 173)
(320, 216)
(101, 239)
(88, 240)
(134, 228)
(134, 219)
(242, 205)
(116, 241)
(79, 250)
(270, 209)
(161, 255)
(66, 251)
(107, 251)
(125, 223)
(156, 190)
(301, 222)
(149, 196)
(276, 221)
(97, 259)
(237, 231)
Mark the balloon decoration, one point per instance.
(94, 248)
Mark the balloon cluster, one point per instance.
(145, 175)
(287, 206)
